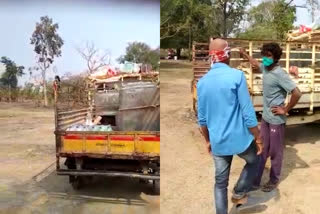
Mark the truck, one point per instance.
(126, 144)
(304, 55)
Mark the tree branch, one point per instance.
(91, 55)
(287, 5)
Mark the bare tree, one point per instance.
(313, 6)
(94, 57)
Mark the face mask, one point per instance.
(266, 61)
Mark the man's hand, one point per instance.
(208, 145)
(256, 133)
(293, 70)
(259, 146)
(242, 51)
(204, 131)
(279, 110)
(254, 63)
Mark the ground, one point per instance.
(29, 184)
(187, 169)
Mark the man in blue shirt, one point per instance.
(228, 123)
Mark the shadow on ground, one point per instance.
(306, 133)
(54, 194)
(256, 202)
(300, 134)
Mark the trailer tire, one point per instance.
(76, 182)
(143, 181)
(156, 187)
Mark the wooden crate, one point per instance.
(302, 55)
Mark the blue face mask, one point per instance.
(266, 61)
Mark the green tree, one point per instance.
(284, 16)
(9, 78)
(184, 21)
(260, 19)
(154, 57)
(179, 16)
(229, 13)
(269, 20)
(47, 45)
(139, 52)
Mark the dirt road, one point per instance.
(29, 184)
(187, 169)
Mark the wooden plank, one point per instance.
(250, 71)
(140, 107)
(291, 51)
(200, 43)
(265, 41)
(287, 56)
(72, 112)
(200, 57)
(202, 51)
(312, 77)
(69, 117)
(193, 51)
(201, 63)
(260, 59)
(200, 67)
(293, 120)
(200, 74)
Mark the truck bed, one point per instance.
(115, 144)
(302, 55)
(103, 144)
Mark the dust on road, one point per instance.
(187, 169)
(29, 184)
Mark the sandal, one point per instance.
(268, 187)
(241, 201)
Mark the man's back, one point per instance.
(224, 106)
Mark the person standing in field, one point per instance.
(276, 85)
(229, 125)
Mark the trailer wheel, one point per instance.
(156, 187)
(143, 181)
(76, 182)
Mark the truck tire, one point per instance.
(76, 182)
(156, 187)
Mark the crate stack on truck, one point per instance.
(116, 133)
(304, 55)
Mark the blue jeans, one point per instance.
(245, 181)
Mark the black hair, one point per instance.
(57, 78)
(274, 48)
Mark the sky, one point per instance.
(108, 24)
(303, 15)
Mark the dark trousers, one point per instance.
(273, 141)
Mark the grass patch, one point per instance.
(174, 64)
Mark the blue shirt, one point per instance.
(225, 107)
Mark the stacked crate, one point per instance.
(302, 55)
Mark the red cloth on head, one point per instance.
(220, 55)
